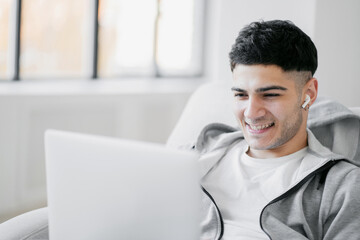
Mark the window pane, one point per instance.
(178, 35)
(4, 36)
(53, 38)
(126, 37)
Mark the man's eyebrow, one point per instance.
(275, 87)
(235, 89)
(264, 89)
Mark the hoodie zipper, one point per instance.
(218, 211)
(325, 167)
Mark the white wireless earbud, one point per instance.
(307, 100)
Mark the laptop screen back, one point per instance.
(106, 188)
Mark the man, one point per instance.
(273, 179)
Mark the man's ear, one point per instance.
(311, 89)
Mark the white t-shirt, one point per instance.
(242, 186)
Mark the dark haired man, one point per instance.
(274, 179)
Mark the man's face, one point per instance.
(268, 108)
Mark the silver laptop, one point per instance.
(107, 188)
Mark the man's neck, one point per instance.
(280, 151)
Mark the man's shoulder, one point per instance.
(217, 135)
(344, 174)
(345, 166)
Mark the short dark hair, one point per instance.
(276, 42)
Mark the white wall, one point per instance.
(337, 36)
(332, 24)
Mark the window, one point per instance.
(4, 37)
(101, 38)
(52, 38)
(177, 48)
(126, 37)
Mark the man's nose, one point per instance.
(254, 108)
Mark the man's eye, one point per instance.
(240, 95)
(271, 95)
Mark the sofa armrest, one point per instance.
(30, 225)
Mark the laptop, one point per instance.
(106, 188)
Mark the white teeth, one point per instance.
(260, 127)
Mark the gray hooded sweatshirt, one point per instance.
(324, 203)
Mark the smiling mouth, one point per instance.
(260, 127)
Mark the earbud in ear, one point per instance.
(306, 102)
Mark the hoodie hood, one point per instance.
(336, 127)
